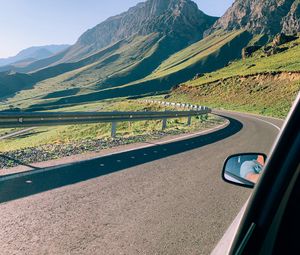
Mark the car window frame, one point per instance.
(269, 191)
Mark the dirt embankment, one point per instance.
(260, 77)
(270, 93)
(277, 76)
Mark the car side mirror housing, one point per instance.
(244, 169)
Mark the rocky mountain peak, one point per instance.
(169, 17)
(261, 16)
(291, 23)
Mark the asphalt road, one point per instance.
(165, 199)
(17, 133)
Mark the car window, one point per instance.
(117, 116)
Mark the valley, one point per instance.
(173, 51)
(145, 177)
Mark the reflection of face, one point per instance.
(261, 160)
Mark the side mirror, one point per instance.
(244, 169)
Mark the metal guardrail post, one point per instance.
(164, 124)
(189, 120)
(203, 117)
(200, 118)
(113, 129)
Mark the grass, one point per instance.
(274, 101)
(87, 75)
(193, 54)
(286, 61)
(139, 69)
(74, 133)
(259, 84)
(242, 85)
(8, 131)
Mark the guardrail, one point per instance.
(25, 119)
(180, 105)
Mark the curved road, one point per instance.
(163, 199)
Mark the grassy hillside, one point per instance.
(90, 71)
(124, 62)
(72, 133)
(12, 83)
(44, 143)
(197, 54)
(259, 63)
(83, 85)
(260, 84)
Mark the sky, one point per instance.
(26, 23)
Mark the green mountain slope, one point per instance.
(92, 72)
(159, 44)
(118, 51)
(260, 84)
(198, 54)
(206, 55)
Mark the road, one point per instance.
(164, 199)
(17, 133)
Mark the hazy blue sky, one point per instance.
(26, 23)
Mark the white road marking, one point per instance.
(253, 117)
(253, 114)
(270, 123)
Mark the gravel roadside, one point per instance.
(56, 151)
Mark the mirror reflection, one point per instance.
(244, 168)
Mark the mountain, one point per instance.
(151, 48)
(175, 18)
(180, 20)
(206, 55)
(262, 84)
(122, 49)
(260, 17)
(291, 23)
(33, 54)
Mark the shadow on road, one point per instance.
(36, 181)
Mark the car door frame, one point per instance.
(270, 190)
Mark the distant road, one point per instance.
(164, 199)
(21, 132)
(17, 133)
